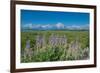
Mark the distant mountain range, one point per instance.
(58, 26)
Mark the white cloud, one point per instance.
(54, 26)
(35, 26)
(30, 26)
(46, 26)
(78, 27)
(27, 26)
(59, 25)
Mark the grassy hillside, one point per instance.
(50, 53)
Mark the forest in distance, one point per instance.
(54, 45)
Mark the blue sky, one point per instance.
(33, 18)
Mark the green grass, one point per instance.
(58, 53)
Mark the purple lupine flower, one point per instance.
(28, 44)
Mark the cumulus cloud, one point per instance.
(59, 25)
